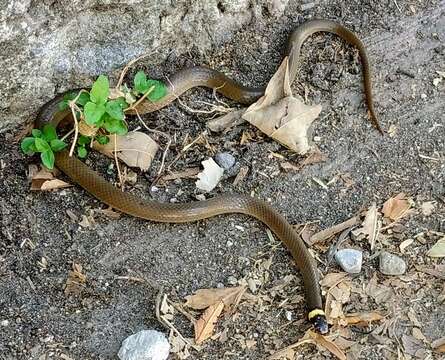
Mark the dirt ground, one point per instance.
(127, 260)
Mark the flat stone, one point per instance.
(145, 345)
(391, 264)
(225, 160)
(350, 260)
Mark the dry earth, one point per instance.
(40, 241)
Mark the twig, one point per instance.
(125, 69)
(327, 233)
(117, 163)
(142, 98)
(67, 134)
(397, 6)
(73, 106)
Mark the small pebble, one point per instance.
(4, 323)
(350, 260)
(288, 315)
(200, 197)
(145, 345)
(225, 160)
(232, 280)
(229, 243)
(391, 264)
(423, 96)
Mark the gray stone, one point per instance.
(391, 264)
(350, 260)
(145, 345)
(47, 48)
(225, 160)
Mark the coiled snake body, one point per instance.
(224, 204)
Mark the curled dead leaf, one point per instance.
(205, 325)
(280, 115)
(136, 149)
(371, 225)
(44, 180)
(362, 319)
(329, 345)
(396, 207)
(204, 298)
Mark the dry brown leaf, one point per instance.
(380, 293)
(371, 225)
(110, 213)
(363, 319)
(438, 249)
(333, 279)
(438, 271)
(327, 233)
(343, 343)
(241, 175)
(75, 281)
(280, 115)
(135, 149)
(187, 173)
(329, 345)
(204, 298)
(396, 207)
(439, 345)
(44, 180)
(205, 325)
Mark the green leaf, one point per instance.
(159, 91)
(49, 132)
(122, 102)
(42, 145)
(48, 159)
(63, 105)
(84, 97)
(82, 152)
(103, 139)
(27, 145)
(57, 145)
(36, 133)
(115, 109)
(83, 140)
(140, 82)
(71, 95)
(114, 126)
(100, 90)
(93, 113)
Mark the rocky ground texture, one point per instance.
(50, 46)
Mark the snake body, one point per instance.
(224, 204)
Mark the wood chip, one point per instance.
(205, 325)
(327, 233)
(241, 175)
(75, 282)
(187, 173)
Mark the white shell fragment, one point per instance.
(145, 345)
(210, 176)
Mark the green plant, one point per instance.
(105, 114)
(45, 142)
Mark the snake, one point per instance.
(202, 76)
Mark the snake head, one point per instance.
(318, 318)
(320, 324)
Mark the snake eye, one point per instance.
(320, 324)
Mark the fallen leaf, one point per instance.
(438, 249)
(204, 298)
(332, 279)
(280, 115)
(380, 293)
(371, 225)
(187, 173)
(329, 345)
(438, 271)
(76, 280)
(241, 175)
(362, 319)
(413, 346)
(210, 176)
(44, 180)
(135, 149)
(110, 213)
(205, 325)
(396, 207)
(439, 345)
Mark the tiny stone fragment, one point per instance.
(350, 260)
(145, 345)
(225, 160)
(391, 264)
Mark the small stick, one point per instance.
(117, 163)
(134, 106)
(327, 233)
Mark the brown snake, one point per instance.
(224, 204)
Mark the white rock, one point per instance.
(350, 260)
(391, 264)
(145, 345)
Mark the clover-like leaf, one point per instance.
(115, 109)
(49, 132)
(41, 145)
(83, 140)
(115, 126)
(36, 133)
(103, 139)
(93, 113)
(140, 82)
(82, 152)
(27, 145)
(159, 90)
(100, 90)
(48, 158)
(58, 145)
